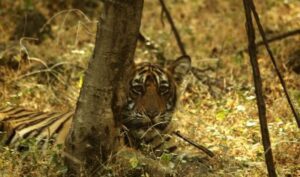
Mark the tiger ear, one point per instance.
(180, 67)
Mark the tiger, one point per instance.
(18, 123)
(143, 108)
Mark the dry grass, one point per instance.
(219, 113)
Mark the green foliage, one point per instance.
(222, 114)
(166, 157)
(238, 58)
(28, 5)
(134, 162)
(296, 96)
(30, 160)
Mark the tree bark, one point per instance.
(94, 136)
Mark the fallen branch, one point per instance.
(202, 148)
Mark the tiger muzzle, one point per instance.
(152, 114)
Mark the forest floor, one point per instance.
(217, 109)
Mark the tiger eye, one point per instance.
(163, 89)
(138, 89)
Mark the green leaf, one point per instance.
(133, 162)
(165, 157)
(222, 114)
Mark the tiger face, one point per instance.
(151, 98)
(150, 95)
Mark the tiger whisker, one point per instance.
(152, 127)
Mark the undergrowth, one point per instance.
(31, 160)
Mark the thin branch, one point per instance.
(274, 38)
(258, 90)
(204, 149)
(178, 39)
(65, 11)
(279, 37)
(263, 35)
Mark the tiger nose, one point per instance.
(152, 113)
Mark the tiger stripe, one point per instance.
(20, 123)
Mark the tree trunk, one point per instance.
(94, 136)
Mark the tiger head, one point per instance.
(150, 94)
